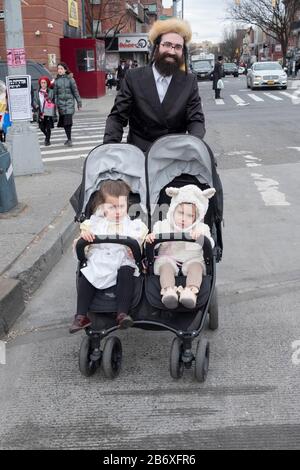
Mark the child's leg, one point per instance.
(168, 289)
(85, 295)
(125, 290)
(194, 275)
(188, 295)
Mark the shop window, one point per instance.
(85, 60)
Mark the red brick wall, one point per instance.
(37, 16)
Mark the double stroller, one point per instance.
(173, 160)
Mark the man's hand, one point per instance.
(130, 254)
(150, 237)
(87, 236)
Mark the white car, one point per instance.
(266, 74)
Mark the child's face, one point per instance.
(184, 215)
(115, 208)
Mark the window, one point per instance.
(95, 2)
(96, 27)
(85, 60)
(152, 8)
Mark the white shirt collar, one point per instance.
(158, 76)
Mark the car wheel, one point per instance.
(284, 87)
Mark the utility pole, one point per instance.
(22, 138)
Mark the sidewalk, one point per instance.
(35, 234)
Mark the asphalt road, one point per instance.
(251, 396)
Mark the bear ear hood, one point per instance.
(190, 194)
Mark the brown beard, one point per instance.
(164, 67)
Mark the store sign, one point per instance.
(2, 16)
(73, 13)
(277, 47)
(133, 43)
(19, 97)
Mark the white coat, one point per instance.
(105, 259)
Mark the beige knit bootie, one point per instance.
(188, 296)
(169, 297)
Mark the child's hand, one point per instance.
(87, 236)
(150, 237)
(196, 233)
(129, 252)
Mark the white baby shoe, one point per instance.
(188, 296)
(169, 297)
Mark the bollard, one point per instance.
(8, 195)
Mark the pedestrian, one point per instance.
(218, 75)
(109, 80)
(44, 106)
(121, 71)
(65, 91)
(109, 264)
(186, 214)
(160, 98)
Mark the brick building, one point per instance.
(44, 23)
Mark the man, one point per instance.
(160, 98)
(122, 69)
(217, 75)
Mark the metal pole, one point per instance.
(182, 8)
(22, 138)
(83, 19)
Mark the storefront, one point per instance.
(130, 46)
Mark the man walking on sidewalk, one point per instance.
(160, 98)
(218, 75)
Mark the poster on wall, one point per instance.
(16, 57)
(73, 13)
(19, 97)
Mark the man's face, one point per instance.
(169, 55)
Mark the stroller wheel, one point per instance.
(86, 366)
(176, 364)
(112, 357)
(202, 360)
(213, 311)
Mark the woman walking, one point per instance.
(65, 90)
(43, 104)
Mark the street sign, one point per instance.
(2, 15)
(19, 97)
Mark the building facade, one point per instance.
(44, 23)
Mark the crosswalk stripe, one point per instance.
(274, 97)
(285, 93)
(68, 149)
(95, 142)
(255, 97)
(237, 99)
(219, 101)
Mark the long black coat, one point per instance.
(217, 74)
(138, 103)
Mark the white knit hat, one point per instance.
(190, 194)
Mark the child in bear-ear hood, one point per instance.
(186, 214)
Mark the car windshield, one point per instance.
(201, 64)
(267, 66)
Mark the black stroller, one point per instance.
(174, 160)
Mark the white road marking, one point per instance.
(274, 97)
(255, 97)
(268, 189)
(294, 148)
(237, 99)
(67, 157)
(63, 147)
(285, 93)
(219, 101)
(68, 149)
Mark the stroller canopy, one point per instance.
(111, 161)
(173, 155)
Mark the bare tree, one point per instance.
(228, 47)
(107, 10)
(275, 21)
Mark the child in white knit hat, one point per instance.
(186, 214)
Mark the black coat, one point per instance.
(217, 74)
(138, 102)
(121, 71)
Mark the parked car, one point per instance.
(266, 74)
(34, 69)
(230, 68)
(202, 69)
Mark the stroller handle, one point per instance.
(175, 237)
(119, 240)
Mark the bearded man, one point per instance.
(160, 98)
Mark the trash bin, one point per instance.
(8, 195)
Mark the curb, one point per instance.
(26, 274)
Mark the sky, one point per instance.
(206, 18)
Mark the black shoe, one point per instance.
(47, 143)
(68, 143)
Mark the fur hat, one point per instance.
(189, 194)
(173, 25)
